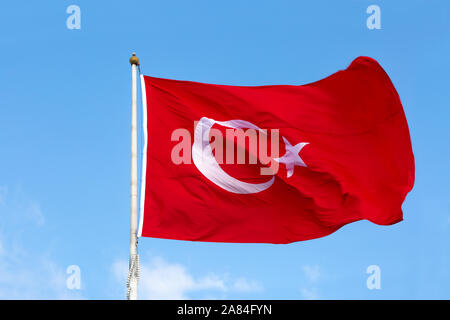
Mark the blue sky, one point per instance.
(65, 144)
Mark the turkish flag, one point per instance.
(338, 151)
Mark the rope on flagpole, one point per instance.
(133, 274)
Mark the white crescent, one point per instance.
(205, 162)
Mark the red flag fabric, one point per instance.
(343, 153)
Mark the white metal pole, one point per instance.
(134, 259)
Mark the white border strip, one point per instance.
(144, 154)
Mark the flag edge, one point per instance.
(144, 155)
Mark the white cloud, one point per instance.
(34, 214)
(162, 280)
(20, 208)
(244, 285)
(309, 294)
(312, 273)
(24, 275)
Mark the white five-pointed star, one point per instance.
(291, 158)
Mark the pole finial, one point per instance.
(134, 59)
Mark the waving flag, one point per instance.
(273, 164)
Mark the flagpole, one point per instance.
(133, 273)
